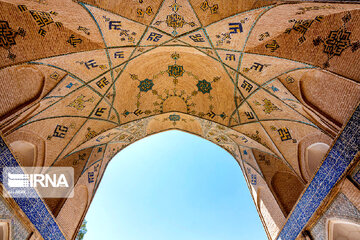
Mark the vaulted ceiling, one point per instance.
(83, 79)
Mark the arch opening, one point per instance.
(175, 185)
(100, 78)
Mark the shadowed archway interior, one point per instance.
(173, 185)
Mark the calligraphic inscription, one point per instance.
(257, 66)
(91, 64)
(102, 83)
(253, 179)
(249, 115)
(69, 85)
(84, 29)
(41, 18)
(74, 41)
(114, 25)
(262, 158)
(60, 131)
(155, 37)
(197, 37)
(247, 86)
(22, 8)
(141, 13)
(337, 42)
(273, 46)
(81, 158)
(42, 32)
(235, 28)
(99, 112)
(284, 134)
(79, 102)
(205, 6)
(7, 35)
(269, 106)
(230, 57)
(302, 26)
(263, 36)
(175, 20)
(60, 25)
(91, 177)
(119, 54)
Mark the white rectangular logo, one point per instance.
(18, 180)
(33, 182)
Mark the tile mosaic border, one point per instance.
(34, 208)
(335, 164)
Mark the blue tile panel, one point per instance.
(356, 176)
(34, 208)
(335, 164)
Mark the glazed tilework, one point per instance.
(179, 64)
(335, 164)
(34, 208)
(356, 175)
(341, 208)
(18, 231)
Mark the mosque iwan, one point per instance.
(276, 83)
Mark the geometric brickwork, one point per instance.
(82, 80)
(342, 153)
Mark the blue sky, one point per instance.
(177, 186)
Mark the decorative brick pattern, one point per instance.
(341, 208)
(335, 164)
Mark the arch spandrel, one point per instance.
(259, 78)
(292, 43)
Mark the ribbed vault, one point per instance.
(262, 79)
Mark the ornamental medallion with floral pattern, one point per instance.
(146, 85)
(175, 71)
(174, 117)
(175, 20)
(204, 86)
